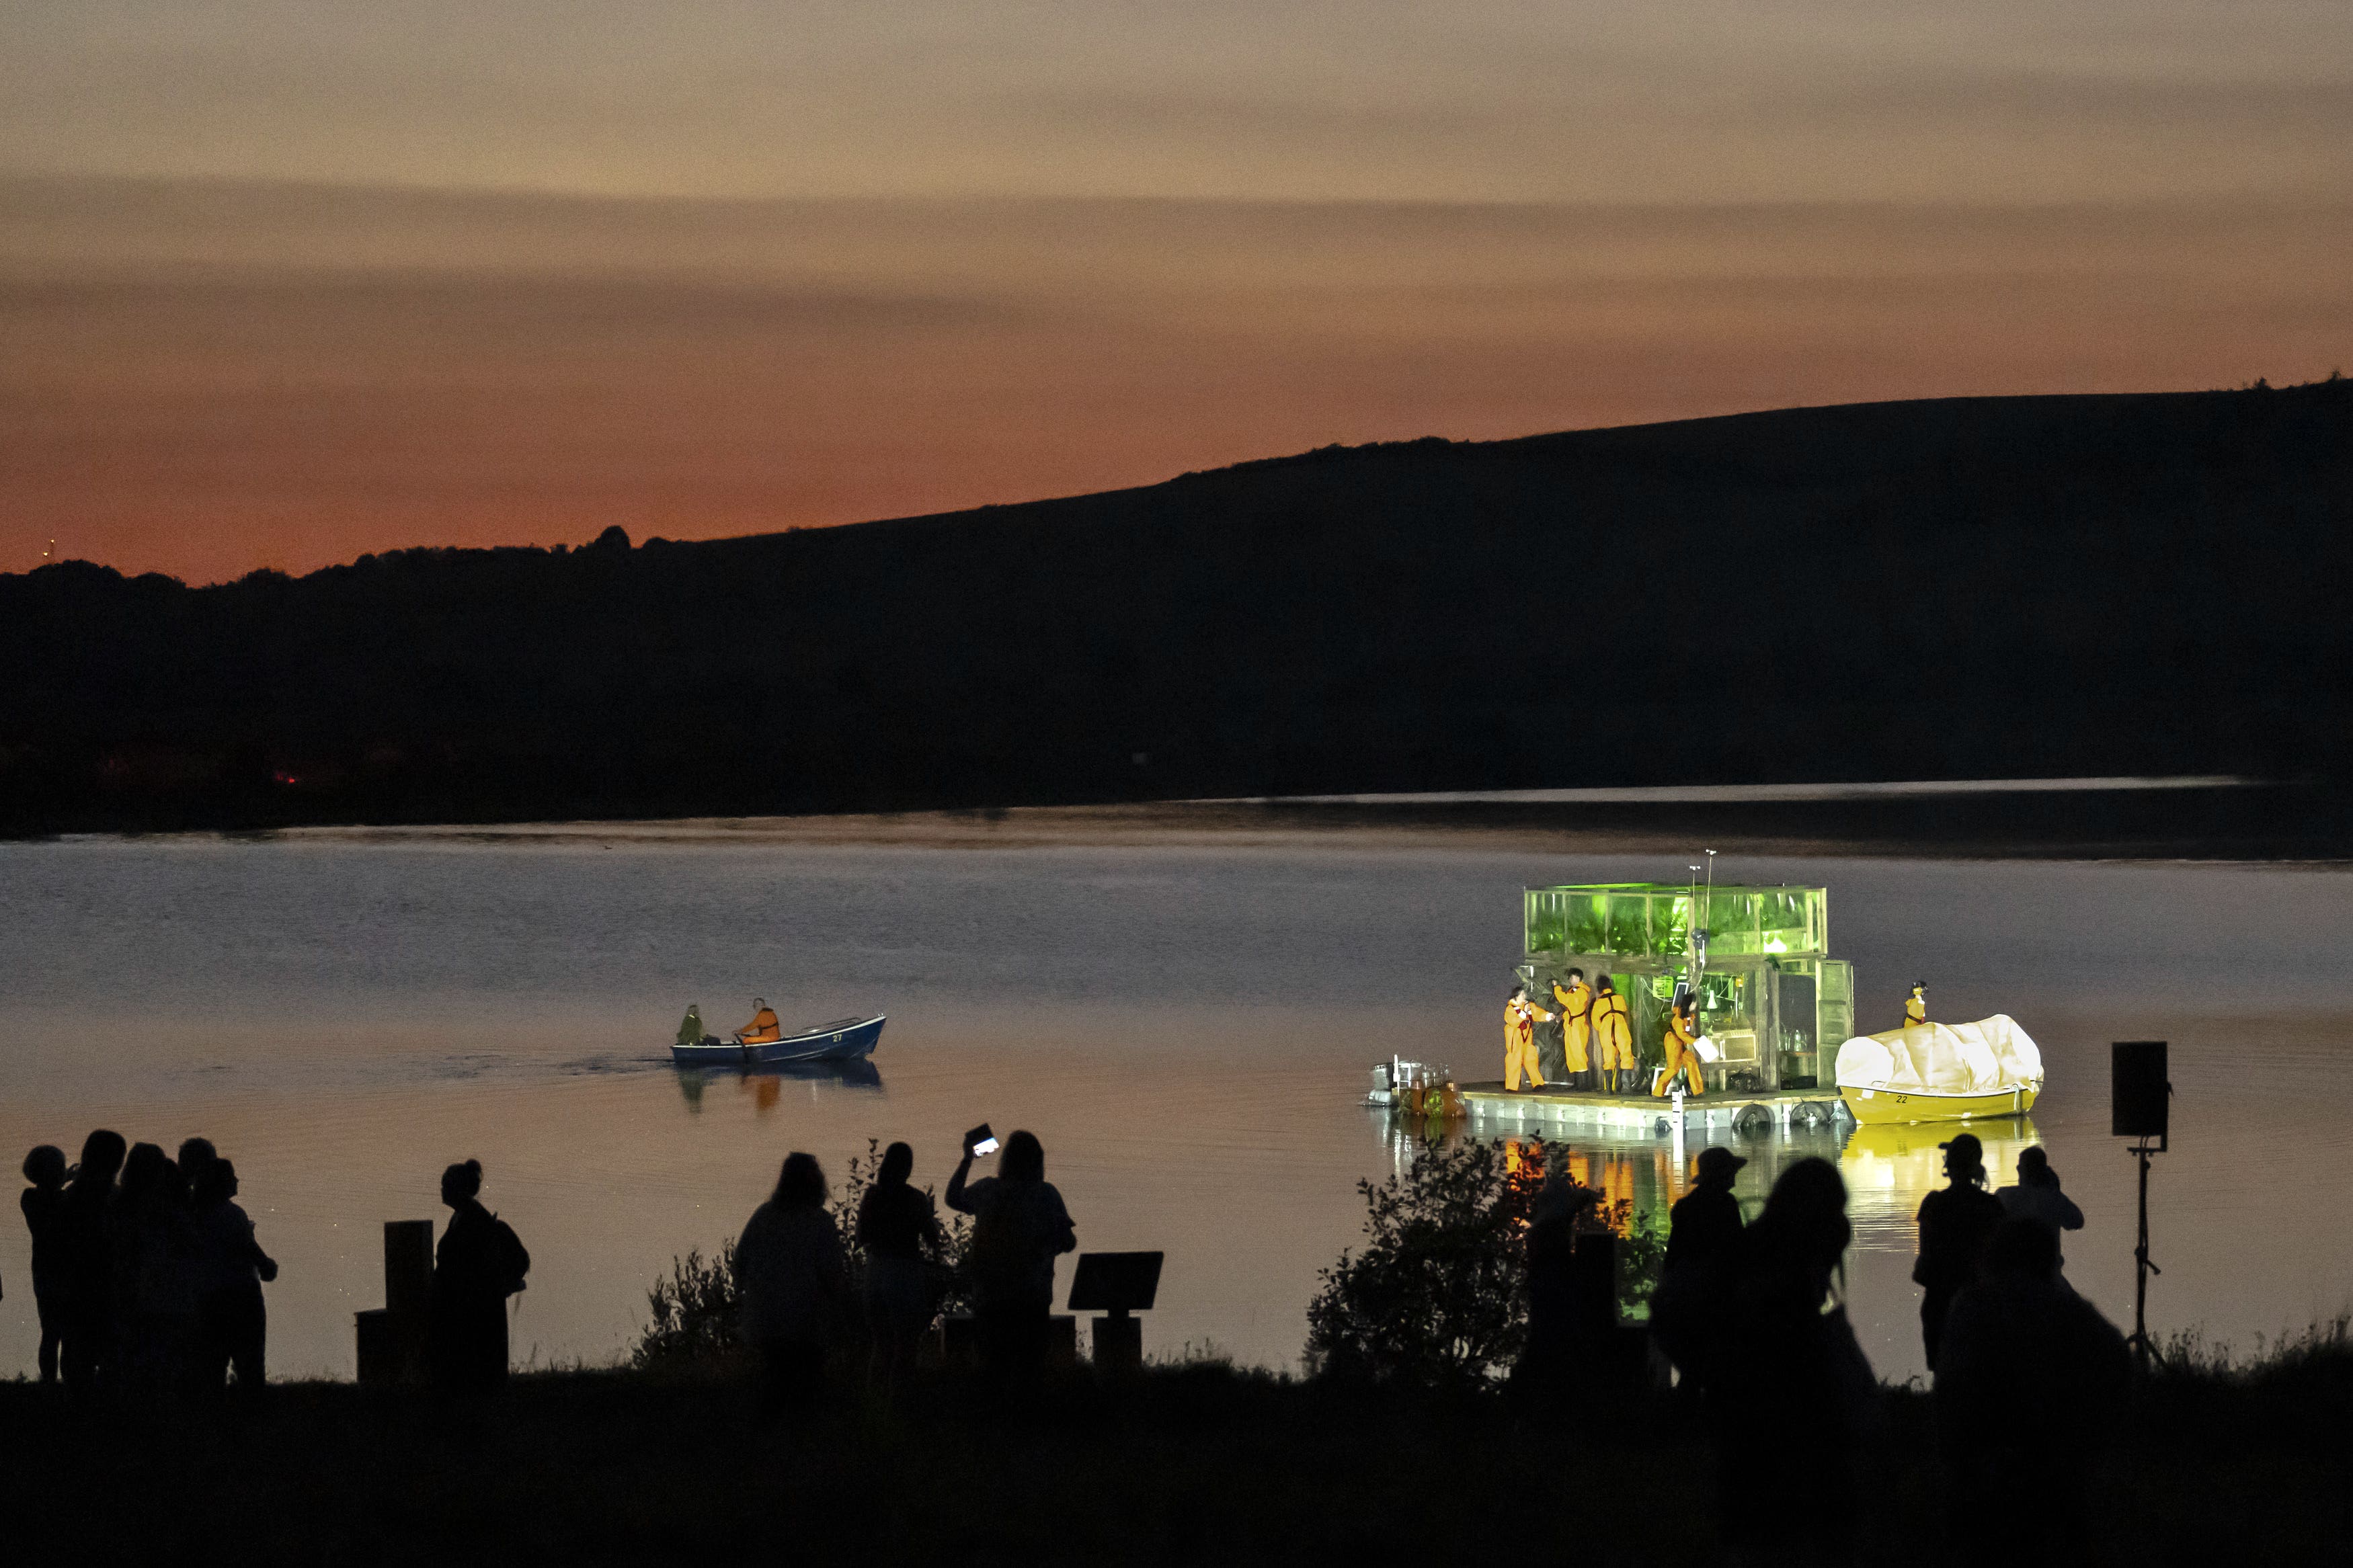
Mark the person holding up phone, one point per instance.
(1020, 1228)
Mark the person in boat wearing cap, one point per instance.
(763, 1026)
(1683, 1051)
(1613, 1032)
(1954, 1221)
(1915, 1006)
(1576, 1004)
(1520, 1016)
(690, 1029)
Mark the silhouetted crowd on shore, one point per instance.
(2028, 1375)
(792, 1270)
(147, 1275)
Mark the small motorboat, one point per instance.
(843, 1040)
(1941, 1073)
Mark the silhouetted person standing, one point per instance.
(44, 1203)
(1561, 1319)
(2037, 1195)
(895, 1222)
(1955, 1222)
(790, 1271)
(1704, 1226)
(1020, 1228)
(1788, 1348)
(480, 1263)
(1703, 1249)
(2029, 1380)
(85, 1355)
(233, 1322)
(155, 1288)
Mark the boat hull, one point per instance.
(844, 1040)
(1897, 1105)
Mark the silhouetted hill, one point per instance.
(1961, 588)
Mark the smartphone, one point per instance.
(980, 1142)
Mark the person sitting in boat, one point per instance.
(763, 1026)
(1915, 1006)
(690, 1030)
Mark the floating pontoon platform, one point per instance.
(1641, 1115)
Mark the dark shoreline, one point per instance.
(2253, 823)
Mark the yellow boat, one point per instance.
(1941, 1073)
(1889, 1105)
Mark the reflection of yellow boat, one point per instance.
(1885, 1105)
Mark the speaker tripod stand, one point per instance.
(2144, 1349)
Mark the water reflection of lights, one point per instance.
(1888, 1170)
(1895, 1167)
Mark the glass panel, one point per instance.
(1628, 924)
(1790, 919)
(1799, 1029)
(1547, 920)
(1732, 922)
(1836, 1007)
(1670, 924)
(1588, 921)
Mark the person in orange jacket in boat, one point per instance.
(1520, 1018)
(1682, 1053)
(763, 1026)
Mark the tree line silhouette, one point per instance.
(1985, 587)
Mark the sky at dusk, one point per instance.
(284, 282)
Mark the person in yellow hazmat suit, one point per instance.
(1575, 1000)
(1682, 1055)
(1613, 1036)
(1915, 1006)
(764, 1024)
(1520, 1016)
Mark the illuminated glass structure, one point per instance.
(1770, 996)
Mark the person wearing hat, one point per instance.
(1704, 1226)
(1706, 1238)
(1915, 1006)
(1954, 1221)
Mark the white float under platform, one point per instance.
(1633, 1115)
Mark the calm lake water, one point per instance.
(1186, 1024)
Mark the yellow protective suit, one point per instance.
(1576, 1023)
(1681, 1057)
(1613, 1031)
(763, 1026)
(1520, 1043)
(1915, 1008)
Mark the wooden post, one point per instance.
(1119, 1342)
(392, 1337)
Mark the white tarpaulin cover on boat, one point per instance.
(1984, 1058)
